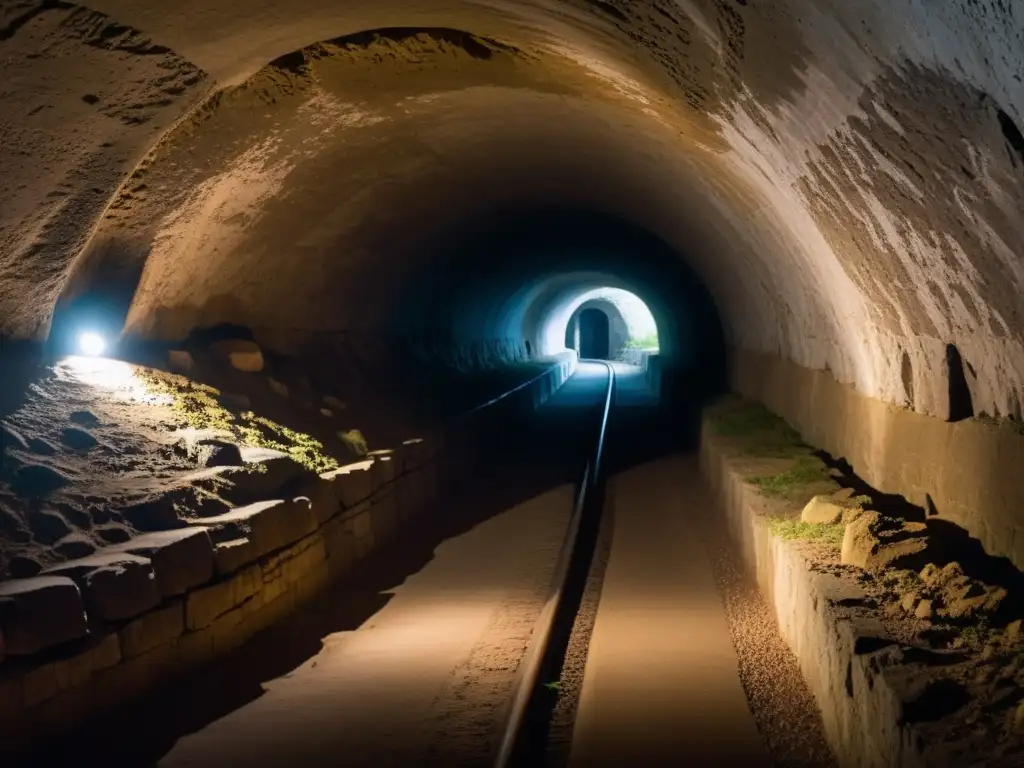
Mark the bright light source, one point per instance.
(91, 344)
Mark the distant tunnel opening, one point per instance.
(594, 327)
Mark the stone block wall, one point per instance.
(859, 696)
(968, 471)
(118, 624)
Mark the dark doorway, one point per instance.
(594, 334)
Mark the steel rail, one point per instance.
(538, 651)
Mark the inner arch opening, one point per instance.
(603, 323)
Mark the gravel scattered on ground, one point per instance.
(783, 706)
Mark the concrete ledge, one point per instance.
(841, 653)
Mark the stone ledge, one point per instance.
(256, 579)
(838, 652)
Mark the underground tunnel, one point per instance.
(488, 382)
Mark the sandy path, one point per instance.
(402, 688)
(661, 683)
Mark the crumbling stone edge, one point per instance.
(297, 548)
(861, 713)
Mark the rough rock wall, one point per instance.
(84, 97)
(847, 177)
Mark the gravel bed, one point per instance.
(784, 709)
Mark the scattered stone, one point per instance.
(875, 543)
(910, 601)
(842, 495)
(278, 387)
(41, 447)
(38, 480)
(899, 554)
(40, 613)
(153, 515)
(180, 361)
(820, 511)
(242, 355)
(113, 534)
(23, 567)
(852, 514)
(859, 541)
(352, 483)
(77, 439)
(269, 525)
(930, 573)
(75, 546)
(116, 585)
(76, 517)
(969, 606)
(181, 558)
(232, 554)
(11, 438)
(218, 453)
(924, 610)
(85, 419)
(266, 474)
(48, 526)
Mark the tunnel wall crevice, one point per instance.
(967, 471)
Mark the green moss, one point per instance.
(760, 432)
(196, 405)
(646, 342)
(822, 533)
(806, 471)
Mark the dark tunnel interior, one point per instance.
(512, 382)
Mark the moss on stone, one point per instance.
(759, 431)
(196, 406)
(808, 470)
(822, 533)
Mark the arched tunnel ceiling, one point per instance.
(847, 178)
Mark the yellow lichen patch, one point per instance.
(196, 406)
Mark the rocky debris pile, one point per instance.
(953, 647)
(874, 542)
(947, 593)
(902, 556)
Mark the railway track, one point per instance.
(527, 726)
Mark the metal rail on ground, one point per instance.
(540, 650)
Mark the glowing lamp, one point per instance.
(91, 344)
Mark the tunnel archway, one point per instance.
(595, 334)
